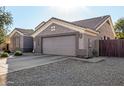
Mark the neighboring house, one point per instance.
(21, 39)
(61, 37)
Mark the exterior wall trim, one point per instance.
(111, 24)
(61, 34)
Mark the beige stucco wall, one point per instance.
(58, 30)
(21, 42)
(12, 39)
(37, 46)
(89, 43)
(81, 41)
(105, 30)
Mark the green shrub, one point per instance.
(18, 53)
(4, 54)
(8, 51)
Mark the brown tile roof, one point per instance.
(25, 31)
(91, 23)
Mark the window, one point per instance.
(52, 28)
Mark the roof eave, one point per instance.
(15, 30)
(101, 24)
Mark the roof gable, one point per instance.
(15, 31)
(109, 21)
(65, 24)
(59, 29)
(21, 32)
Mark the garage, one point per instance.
(61, 45)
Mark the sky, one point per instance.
(29, 17)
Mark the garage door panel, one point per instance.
(64, 45)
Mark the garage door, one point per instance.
(64, 45)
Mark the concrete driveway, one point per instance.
(25, 62)
(71, 72)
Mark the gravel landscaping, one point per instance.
(71, 73)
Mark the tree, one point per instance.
(120, 35)
(119, 25)
(2, 37)
(119, 28)
(5, 22)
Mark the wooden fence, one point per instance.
(113, 48)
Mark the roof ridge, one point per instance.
(23, 29)
(92, 18)
(65, 21)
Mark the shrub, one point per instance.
(8, 51)
(18, 53)
(4, 54)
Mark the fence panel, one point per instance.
(114, 48)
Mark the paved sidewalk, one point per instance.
(19, 63)
(3, 66)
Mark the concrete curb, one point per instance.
(90, 60)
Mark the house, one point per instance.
(21, 39)
(60, 37)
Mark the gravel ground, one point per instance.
(71, 73)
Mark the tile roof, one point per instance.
(25, 31)
(91, 23)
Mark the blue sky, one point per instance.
(31, 16)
